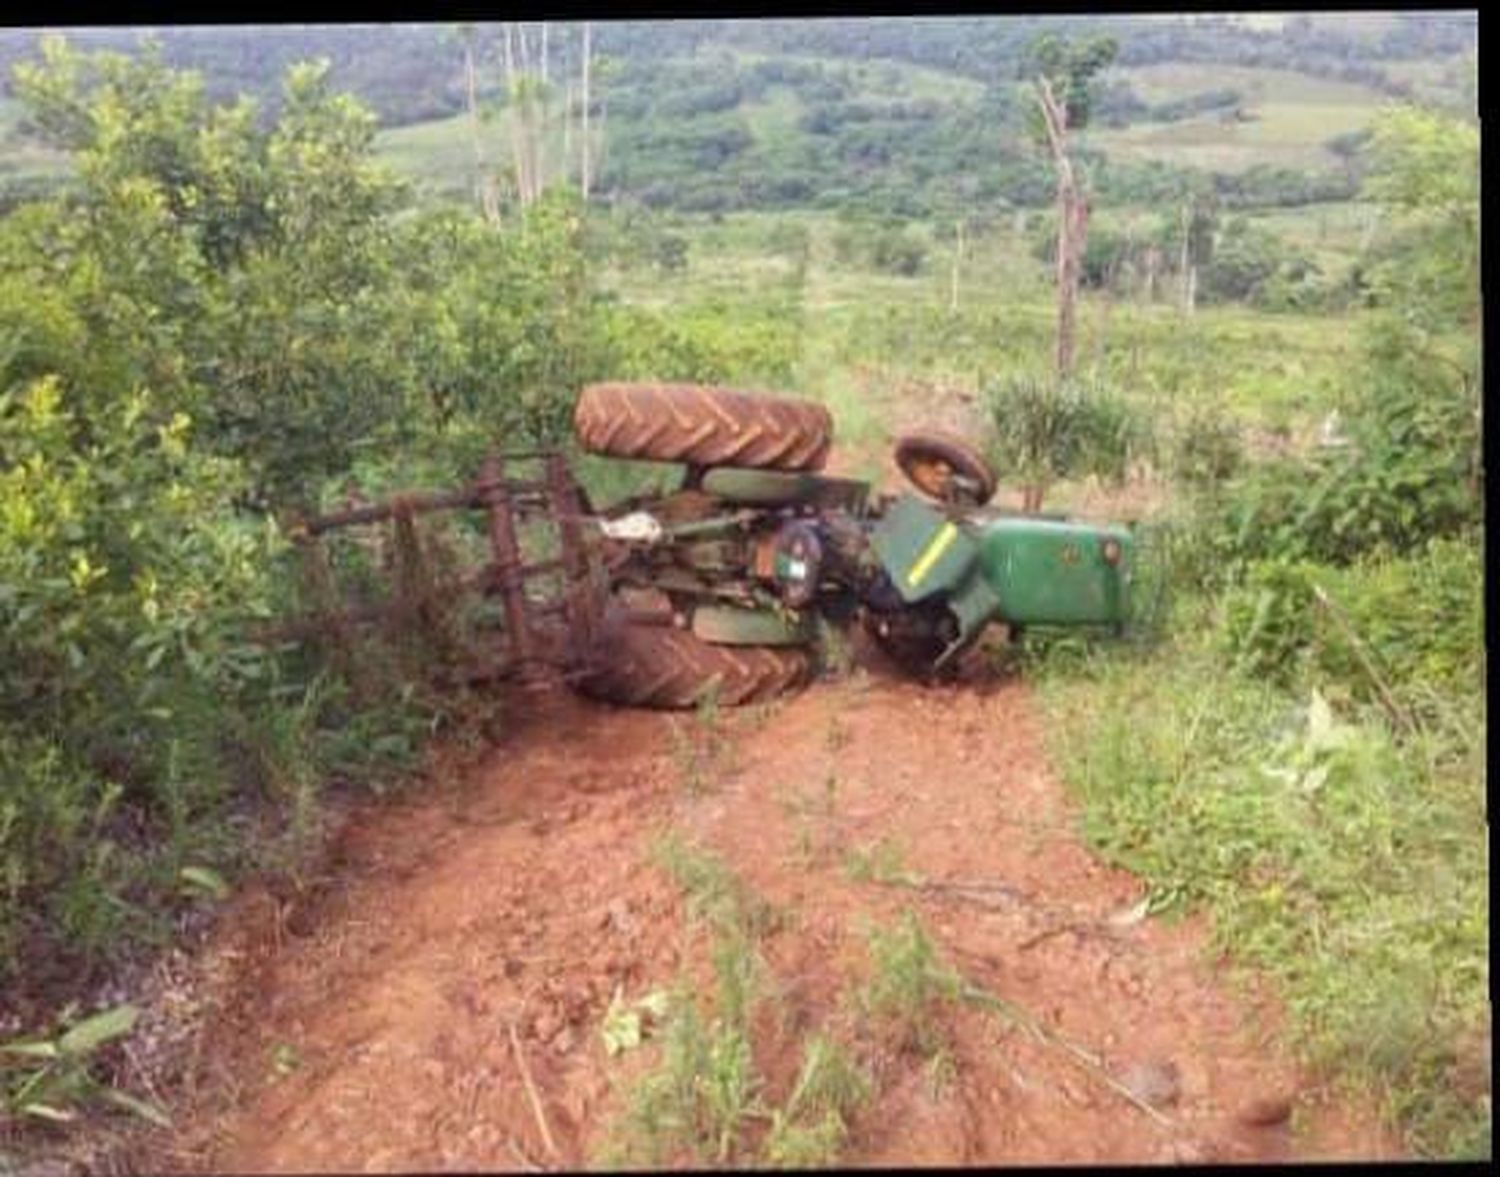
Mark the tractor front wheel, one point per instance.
(649, 664)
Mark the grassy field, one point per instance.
(1291, 115)
(1276, 371)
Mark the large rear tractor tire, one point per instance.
(700, 425)
(643, 664)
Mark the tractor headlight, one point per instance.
(1110, 550)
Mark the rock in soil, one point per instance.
(1266, 1111)
(1156, 1081)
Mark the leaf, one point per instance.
(30, 1049)
(622, 1028)
(1319, 720)
(1314, 778)
(655, 1003)
(146, 1111)
(1130, 916)
(45, 1111)
(284, 1059)
(208, 880)
(94, 1032)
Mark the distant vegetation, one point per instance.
(911, 117)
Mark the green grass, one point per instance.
(862, 333)
(1352, 871)
(704, 1097)
(909, 987)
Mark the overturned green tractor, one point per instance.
(721, 584)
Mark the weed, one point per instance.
(838, 735)
(805, 850)
(830, 1081)
(880, 862)
(942, 1071)
(714, 893)
(668, 1110)
(809, 1130)
(813, 1145)
(705, 1087)
(909, 986)
(53, 1079)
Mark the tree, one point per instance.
(1063, 74)
(1425, 171)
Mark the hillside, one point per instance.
(904, 116)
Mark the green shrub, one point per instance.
(1206, 448)
(1410, 472)
(909, 985)
(1413, 626)
(1044, 431)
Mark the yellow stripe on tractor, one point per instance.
(941, 542)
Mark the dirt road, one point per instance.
(373, 1030)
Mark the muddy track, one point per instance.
(472, 938)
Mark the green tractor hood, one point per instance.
(1020, 569)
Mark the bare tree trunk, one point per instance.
(544, 53)
(603, 152)
(1072, 227)
(1075, 216)
(587, 143)
(513, 116)
(484, 189)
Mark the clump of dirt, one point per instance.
(441, 1005)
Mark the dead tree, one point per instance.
(1072, 226)
(485, 189)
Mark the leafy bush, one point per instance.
(1411, 472)
(223, 317)
(1414, 624)
(119, 638)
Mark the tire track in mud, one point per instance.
(475, 936)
